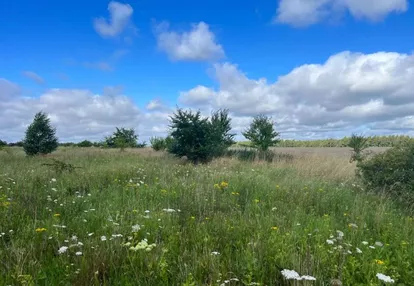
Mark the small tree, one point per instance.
(85, 143)
(198, 138)
(261, 133)
(358, 143)
(158, 143)
(40, 136)
(122, 138)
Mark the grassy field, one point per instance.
(143, 218)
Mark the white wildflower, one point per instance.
(328, 241)
(169, 210)
(90, 234)
(79, 253)
(290, 274)
(53, 180)
(103, 238)
(74, 238)
(215, 253)
(307, 277)
(136, 228)
(63, 249)
(372, 247)
(378, 243)
(340, 234)
(365, 243)
(147, 211)
(385, 278)
(358, 250)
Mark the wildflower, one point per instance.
(290, 274)
(136, 228)
(340, 234)
(169, 210)
(42, 229)
(74, 237)
(79, 253)
(307, 277)
(216, 186)
(385, 278)
(103, 238)
(256, 201)
(352, 225)
(377, 243)
(379, 262)
(277, 187)
(358, 250)
(215, 253)
(54, 189)
(235, 193)
(193, 217)
(117, 235)
(90, 234)
(63, 249)
(372, 247)
(164, 191)
(53, 180)
(274, 209)
(224, 185)
(328, 241)
(325, 215)
(143, 245)
(275, 228)
(147, 211)
(56, 215)
(365, 243)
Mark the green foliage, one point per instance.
(358, 143)
(122, 138)
(158, 143)
(371, 141)
(3, 143)
(85, 143)
(391, 172)
(251, 155)
(40, 136)
(200, 139)
(261, 133)
(59, 166)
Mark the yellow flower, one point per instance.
(379, 262)
(216, 186)
(235, 193)
(277, 187)
(256, 201)
(193, 217)
(326, 215)
(207, 218)
(6, 204)
(40, 229)
(56, 215)
(134, 211)
(224, 185)
(275, 228)
(345, 214)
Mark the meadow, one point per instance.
(141, 217)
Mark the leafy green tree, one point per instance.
(358, 143)
(262, 133)
(122, 138)
(40, 136)
(85, 143)
(200, 139)
(158, 143)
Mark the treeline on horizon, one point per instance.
(372, 141)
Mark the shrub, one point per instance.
(391, 171)
(158, 143)
(85, 143)
(199, 139)
(3, 143)
(40, 136)
(122, 138)
(261, 133)
(358, 143)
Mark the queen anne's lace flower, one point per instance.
(385, 278)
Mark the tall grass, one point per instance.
(230, 219)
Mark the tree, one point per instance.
(261, 133)
(85, 143)
(199, 139)
(358, 143)
(158, 143)
(122, 138)
(40, 136)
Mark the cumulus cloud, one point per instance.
(198, 44)
(308, 12)
(34, 76)
(347, 91)
(119, 18)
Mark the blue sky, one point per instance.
(62, 45)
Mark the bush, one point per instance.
(85, 143)
(261, 133)
(358, 145)
(122, 138)
(200, 139)
(158, 143)
(251, 155)
(3, 143)
(391, 172)
(40, 136)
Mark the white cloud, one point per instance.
(34, 76)
(308, 12)
(119, 18)
(349, 90)
(198, 44)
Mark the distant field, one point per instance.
(144, 218)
